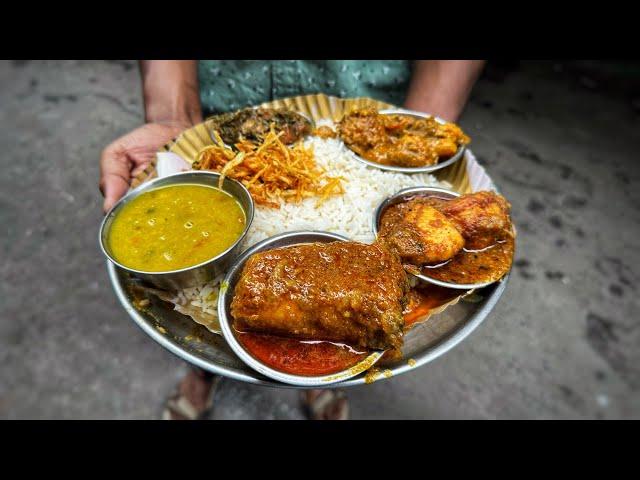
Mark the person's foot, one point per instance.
(325, 404)
(193, 398)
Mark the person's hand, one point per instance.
(129, 155)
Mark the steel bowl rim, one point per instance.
(426, 169)
(377, 214)
(224, 318)
(249, 215)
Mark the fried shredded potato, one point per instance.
(271, 171)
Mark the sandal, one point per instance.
(193, 398)
(325, 404)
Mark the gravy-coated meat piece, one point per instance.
(340, 291)
(419, 233)
(482, 218)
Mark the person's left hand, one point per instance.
(129, 155)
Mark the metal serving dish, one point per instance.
(429, 168)
(195, 344)
(406, 194)
(196, 274)
(224, 305)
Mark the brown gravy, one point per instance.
(475, 266)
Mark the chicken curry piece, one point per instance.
(341, 291)
(400, 140)
(469, 239)
(419, 233)
(482, 218)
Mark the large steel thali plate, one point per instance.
(425, 342)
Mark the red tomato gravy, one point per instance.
(301, 357)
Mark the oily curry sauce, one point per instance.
(475, 266)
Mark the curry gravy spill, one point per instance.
(175, 227)
(422, 299)
(372, 375)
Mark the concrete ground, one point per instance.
(563, 341)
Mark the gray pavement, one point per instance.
(562, 343)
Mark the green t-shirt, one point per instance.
(232, 84)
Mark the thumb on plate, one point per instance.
(115, 172)
(113, 187)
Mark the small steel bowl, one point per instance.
(226, 294)
(426, 169)
(196, 274)
(406, 194)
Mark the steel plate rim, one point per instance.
(442, 345)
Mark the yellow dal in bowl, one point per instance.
(175, 227)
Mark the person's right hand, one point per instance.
(129, 155)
